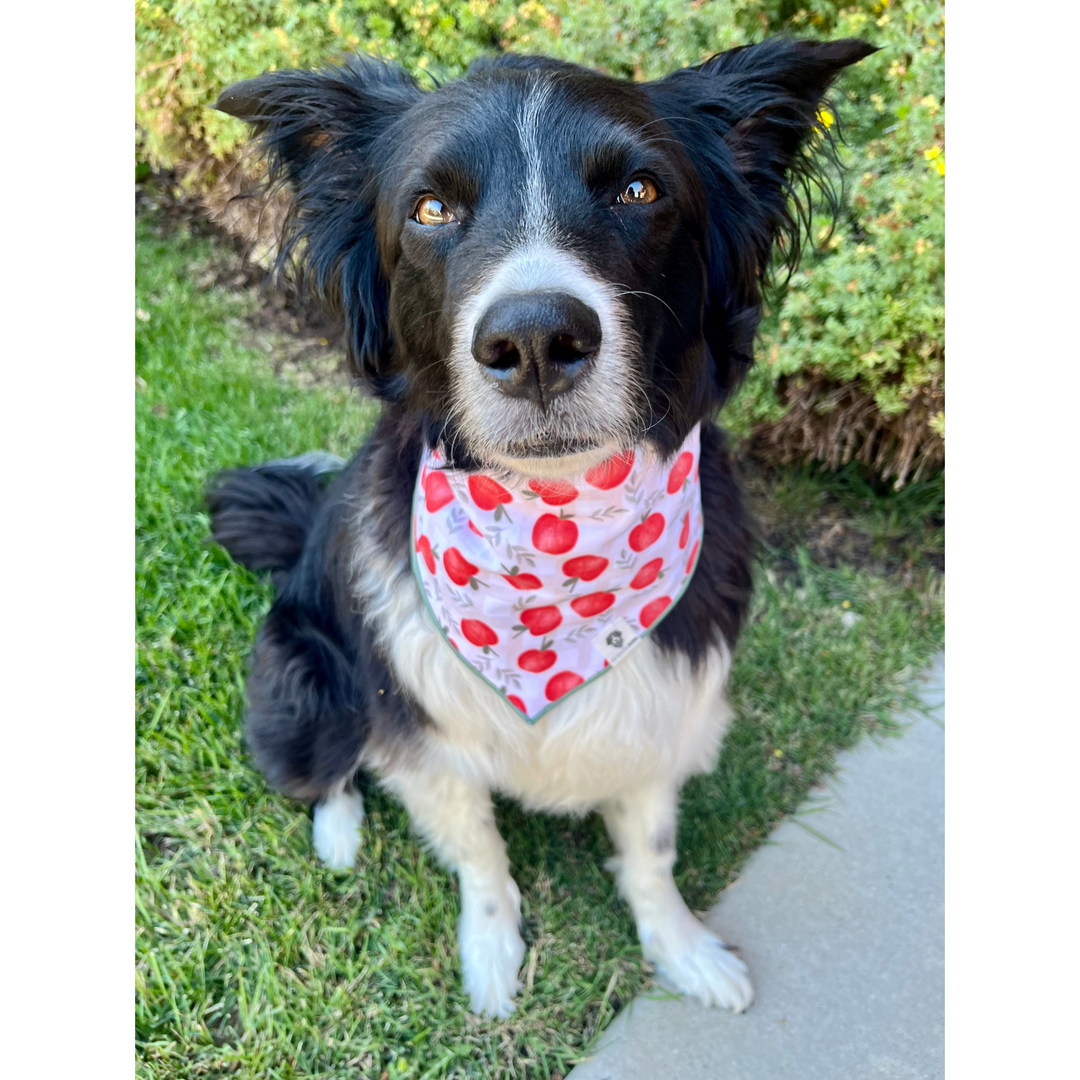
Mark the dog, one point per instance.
(551, 279)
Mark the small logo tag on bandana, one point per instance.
(543, 585)
(614, 642)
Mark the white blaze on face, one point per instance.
(537, 225)
(602, 408)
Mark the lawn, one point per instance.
(252, 960)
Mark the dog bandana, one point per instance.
(542, 585)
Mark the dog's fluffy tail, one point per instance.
(262, 515)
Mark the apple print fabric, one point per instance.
(542, 585)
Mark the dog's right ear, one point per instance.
(326, 134)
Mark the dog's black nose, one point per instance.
(536, 344)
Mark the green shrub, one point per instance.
(851, 357)
(851, 361)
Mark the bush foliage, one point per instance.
(851, 356)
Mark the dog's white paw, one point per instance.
(491, 949)
(336, 829)
(695, 961)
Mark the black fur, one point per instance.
(263, 516)
(359, 144)
(318, 685)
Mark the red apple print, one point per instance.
(685, 534)
(561, 683)
(437, 492)
(679, 471)
(537, 660)
(647, 574)
(523, 581)
(611, 473)
(647, 533)
(653, 610)
(693, 555)
(488, 493)
(592, 604)
(586, 567)
(539, 620)
(423, 545)
(458, 569)
(474, 529)
(554, 535)
(517, 703)
(554, 492)
(479, 633)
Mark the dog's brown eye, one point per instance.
(431, 211)
(640, 190)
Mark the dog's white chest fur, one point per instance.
(651, 718)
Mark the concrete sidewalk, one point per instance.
(845, 944)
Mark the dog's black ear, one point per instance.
(326, 133)
(744, 117)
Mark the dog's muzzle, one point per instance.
(535, 345)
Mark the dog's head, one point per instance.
(547, 264)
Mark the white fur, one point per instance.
(457, 820)
(625, 742)
(537, 225)
(650, 718)
(336, 828)
(689, 955)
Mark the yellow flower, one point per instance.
(940, 167)
(846, 604)
(932, 153)
(826, 118)
(778, 753)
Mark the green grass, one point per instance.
(848, 516)
(253, 961)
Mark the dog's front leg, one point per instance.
(642, 825)
(457, 820)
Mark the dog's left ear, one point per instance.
(326, 134)
(743, 118)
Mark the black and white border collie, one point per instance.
(641, 217)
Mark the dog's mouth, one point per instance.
(568, 440)
(545, 446)
(557, 458)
